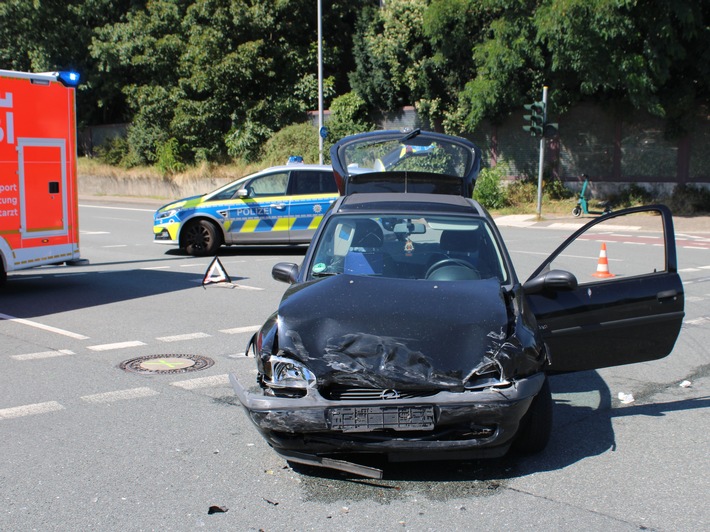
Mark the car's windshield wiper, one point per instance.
(410, 135)
(324, 274)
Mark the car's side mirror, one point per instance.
(242, 193)
(552, 281)
(286, 272)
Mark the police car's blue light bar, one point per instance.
(69, 78)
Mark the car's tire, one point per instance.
(536, 425)
(200, 238)
(577, 211)
(3, 273)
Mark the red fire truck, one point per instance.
(38, 188)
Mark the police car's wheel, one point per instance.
(201, 238)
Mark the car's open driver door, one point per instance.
(627, 305)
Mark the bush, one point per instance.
(688, 199)
(522, 192)
(631, 196)
(297, 139)
(113, 151)
(489, 190)
(168, 159)
(556, 190)
(245, 142)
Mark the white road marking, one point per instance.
(120, 395)
(565, 226)
(94, 232)
(43, 354)
(181, 337)
(30, 410)
(116, 246)
(48, 328)
(698, 321)
(239, 330)
(516, 220)
(203, 382)
(157, 268)
(118, 345)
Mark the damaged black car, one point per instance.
(406, 332)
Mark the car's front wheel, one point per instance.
(201, 238)
(536, 425)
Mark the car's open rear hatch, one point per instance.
(416, 161)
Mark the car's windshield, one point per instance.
(437, 248)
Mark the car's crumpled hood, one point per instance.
(383, 332)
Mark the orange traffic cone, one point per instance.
(603, 264)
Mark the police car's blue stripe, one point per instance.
(264, 225)
(236, 225)
(302, 223)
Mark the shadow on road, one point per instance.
(579, 432)
(54, 289)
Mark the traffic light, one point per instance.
(536, 118)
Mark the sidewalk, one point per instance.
(682, 224)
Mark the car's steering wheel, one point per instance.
(451, 262)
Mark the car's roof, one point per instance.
(409, 202)
(296, 166)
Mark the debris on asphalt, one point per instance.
(626, 398)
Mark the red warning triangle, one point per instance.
(216, 273)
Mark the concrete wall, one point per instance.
(147, 187)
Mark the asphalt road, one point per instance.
(90, 446)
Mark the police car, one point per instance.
(279, 205)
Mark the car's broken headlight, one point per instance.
(287, 373)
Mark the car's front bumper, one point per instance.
(166, 233)
(470, 424)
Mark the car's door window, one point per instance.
(268, 185)
(616, 248)
(227, 193)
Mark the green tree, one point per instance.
(49, 35)
(650, 55)
(391, 55)
(220, 76)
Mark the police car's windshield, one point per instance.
(438, 248)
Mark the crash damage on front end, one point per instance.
(409, 369)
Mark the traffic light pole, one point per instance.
(542, 156)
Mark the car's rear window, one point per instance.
(304, 182)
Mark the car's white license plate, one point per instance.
(367, 419)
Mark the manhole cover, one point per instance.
(166, 364)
